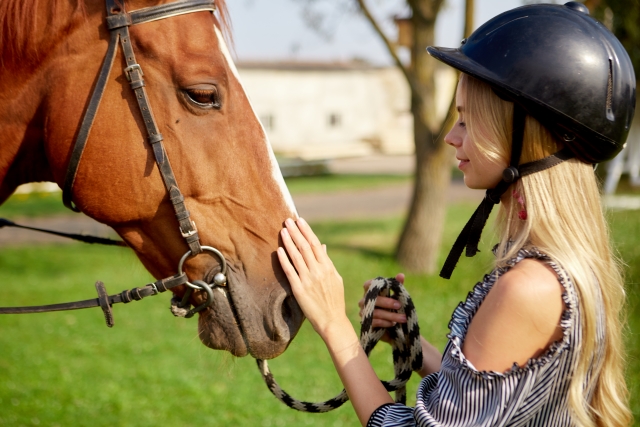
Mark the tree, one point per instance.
(419, 243)
(622, 17)
(418, 246)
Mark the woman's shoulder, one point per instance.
(531, 285)
(519, 318)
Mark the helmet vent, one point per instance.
(610, 92)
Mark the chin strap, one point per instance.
(470, 235)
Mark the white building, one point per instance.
(327, 110)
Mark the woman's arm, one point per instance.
(431, 358)
(319, 291)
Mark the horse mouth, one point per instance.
(241, 321)
(218, 327)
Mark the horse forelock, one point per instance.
(20, 20)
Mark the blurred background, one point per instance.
(332, 83)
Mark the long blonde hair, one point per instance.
(565, 221)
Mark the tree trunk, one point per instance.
(419, 243)
(420, 240)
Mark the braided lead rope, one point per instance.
(407, 351)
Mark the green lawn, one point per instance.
(42, 204)
(69, 369)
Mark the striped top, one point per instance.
(535, 394)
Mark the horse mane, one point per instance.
(19, 21)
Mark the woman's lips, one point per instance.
(462, 164)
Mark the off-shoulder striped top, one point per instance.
(535, 394)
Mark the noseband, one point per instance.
(118, 23)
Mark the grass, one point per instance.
(43, 204)
(68, 369)
(342, 182)
(33, 205)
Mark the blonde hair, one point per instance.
(566, 222)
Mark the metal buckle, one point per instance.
(130, 68)
(155, 289)
(189, 233)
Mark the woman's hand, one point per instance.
(318, 289)
(316, 284)
(382, 316)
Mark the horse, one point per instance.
(51, 54)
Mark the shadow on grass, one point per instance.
(365, 251)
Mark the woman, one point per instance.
(546, 92)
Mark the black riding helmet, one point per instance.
(559, 65)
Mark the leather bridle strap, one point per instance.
(104, 300)
(118, 22)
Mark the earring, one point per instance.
(522, 213)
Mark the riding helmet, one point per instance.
(562, 66)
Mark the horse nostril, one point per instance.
(286, 310)
(283, 318)
(291, 315)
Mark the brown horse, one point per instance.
(51, 52)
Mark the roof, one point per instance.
(293, 65)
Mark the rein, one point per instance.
(118, 22)
(407, 351)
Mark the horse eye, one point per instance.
(203, 98)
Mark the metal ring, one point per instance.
(207, 303)
(187, 255)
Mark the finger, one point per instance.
(367, 285)
(378, 323)
(361, 303)
(400, 277)
(301, 242)
(297, 259)
(389, 316)
(287, 267)
(390, 303)
(314, 242)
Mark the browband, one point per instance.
(156, 13)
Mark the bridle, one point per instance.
(407, 348)
(118, 23)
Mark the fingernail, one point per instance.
(288, 221)
(302, 221)
(284, 232)
(396, 305)
(403, 318)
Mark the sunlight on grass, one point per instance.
(69, 369)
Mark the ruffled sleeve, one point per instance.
(459, 395)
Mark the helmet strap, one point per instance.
(470, 235)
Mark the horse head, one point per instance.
(217, 148)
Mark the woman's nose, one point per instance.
(452, 138)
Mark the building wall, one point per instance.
(326, 111)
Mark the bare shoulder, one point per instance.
(518, 320)
(530, 283)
